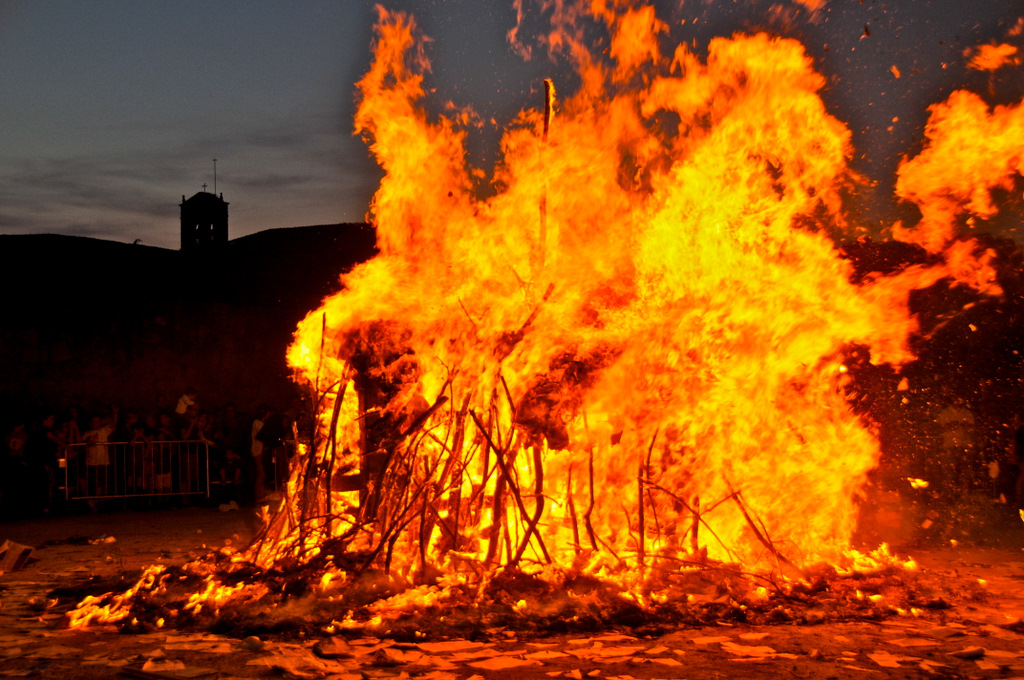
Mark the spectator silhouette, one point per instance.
(15, 469)
(43, 451)
(97, 457)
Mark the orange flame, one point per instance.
(993, 57)
(632, 352)
(627, 360)
(92, 610)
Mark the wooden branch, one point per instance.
(509, 341)
(641, 479)
(762, 537)
(451, 523)
(450, 462)
(538, 508)
(686, 505)
(497, 513)
(402, 518)
(423, 417)
(425, 532)
(510, 481)
(654, 509)
(335, 416)
(317, 396)
(320, 357)
(590, 508)
(542, 236)
(572, 512)
(471, 321)
(695, 528)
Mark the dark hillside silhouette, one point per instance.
(95, 322)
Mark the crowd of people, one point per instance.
(50, 461)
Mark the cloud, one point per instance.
(275, 181)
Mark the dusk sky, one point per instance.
(113, 109)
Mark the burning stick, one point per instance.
(572, 512)
(497, 517)
(642, 476)
(506, 475)
(762, 537)
(695, 527)
(542, 235)
(697, 516)
(549, 105)
(538, 510)
(335, 414)
(423, 417)
(392, 531)
(319, 366)
(450, 524)
(509, 341)
(538, 465)
(590, 506)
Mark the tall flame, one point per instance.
(630, 353)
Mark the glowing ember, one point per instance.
(630, 358)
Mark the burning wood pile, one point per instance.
(612, 391)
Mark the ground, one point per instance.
(975, 638)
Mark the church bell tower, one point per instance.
(204, 222)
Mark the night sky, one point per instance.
(113, 109)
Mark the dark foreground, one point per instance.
(977, 637)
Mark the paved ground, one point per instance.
(975, 639)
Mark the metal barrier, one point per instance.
(127, 469)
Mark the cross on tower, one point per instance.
(204, 186)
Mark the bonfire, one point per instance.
(610, 377)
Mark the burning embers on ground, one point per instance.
(614, 389)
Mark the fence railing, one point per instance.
(127, 469)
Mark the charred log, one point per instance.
(555, 398)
